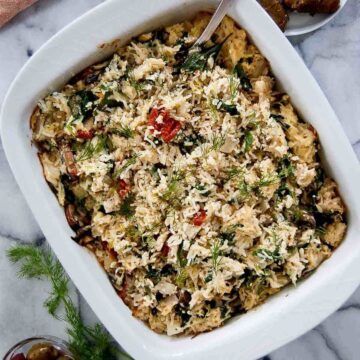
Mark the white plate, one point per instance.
(304, 23)
(285, 316)
(300, 24)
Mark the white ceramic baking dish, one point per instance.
(282, 318)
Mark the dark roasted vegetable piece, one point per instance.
(313, 6)
(276, 10)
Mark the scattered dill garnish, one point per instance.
(248, 140)
(269, 255)
(266, 180)
(126, 208)
(85, 342)
(280, 120)
(90, 149)
(216, 255)
(285, 167)
(244, 189)
(124, 131)
(234, 172)
(181, 257)
(172, 190)
(222, 106)
(233, 85)
(130, 161)
(197, 58)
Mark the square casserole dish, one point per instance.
(283, 317)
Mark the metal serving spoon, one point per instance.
(214, 22)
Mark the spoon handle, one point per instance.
(214, 22)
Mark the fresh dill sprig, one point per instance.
(233, 85)
(85, 342)
(130, 161)
(218, 141)
(171, 194)
(268, 255)
(216, 255)
(244, 189)
(234, 172)
(126, 208)
(266, 180)
(91, 149)
(124, 131)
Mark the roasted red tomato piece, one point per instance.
(168, 128)
(165, 250)
(123, 188)
(199, 218)
(85, 134)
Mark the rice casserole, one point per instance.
(190, 176)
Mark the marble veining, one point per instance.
(333, 56)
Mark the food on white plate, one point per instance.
(313, 6)
(278, 9)
(190, 176)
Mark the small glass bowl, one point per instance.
(24, 346)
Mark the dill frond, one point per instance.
(216, 255)
(126, 208)
(85, 342)
(266, 180)
(124, 131)
(234, 172)
(92, 148)
(130, 161)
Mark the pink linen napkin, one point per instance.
(9, 8)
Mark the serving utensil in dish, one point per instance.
(284, 317)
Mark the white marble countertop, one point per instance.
(333, 56)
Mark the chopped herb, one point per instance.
(173, 189)
(248, 140)
(108, 102)
(241, 74)
(202, 189)
(124, 131)
(280, 120)
(130, 161)
(197, 58)
(209, 277)
(244, 189)
(285, 168)
(269, 255)
(126, 208)
(216, 255)
(181, 257)
(92, 148)
(181, 278)
(217, 142)
(139, 85)
(234, 172)
(267, 180)
(229, 108)
(81, 103)
(228, 236)
(233, 85)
